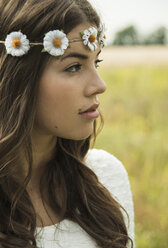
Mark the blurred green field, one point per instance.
(135, 110)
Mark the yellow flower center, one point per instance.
(57, 42)
(104, 37)
(16, 44)
(92, 38)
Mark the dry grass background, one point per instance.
(135, 109)
(136, 55)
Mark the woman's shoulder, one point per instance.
(113, 175)
(111, 172)
(105, 164)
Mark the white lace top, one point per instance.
(113, 176)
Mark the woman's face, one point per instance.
(68, 86)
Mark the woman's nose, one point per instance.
(96, 84)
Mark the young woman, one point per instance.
(54, 190)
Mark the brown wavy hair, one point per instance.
(87, 202)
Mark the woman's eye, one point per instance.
(74, 68)
(97, 62)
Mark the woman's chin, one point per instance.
(80, 135)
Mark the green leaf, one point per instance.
(6, 51)
(43, 50)
(81, 34)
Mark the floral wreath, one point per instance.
(55, 42)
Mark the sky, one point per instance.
(145, 15)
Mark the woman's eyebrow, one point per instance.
(77, 55)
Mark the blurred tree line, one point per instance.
(130, 36)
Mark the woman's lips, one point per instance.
(91, 108)
(90, 114)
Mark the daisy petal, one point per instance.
(85, 42)
(85, 36)
(95, 46)
(52, 52)
(86, 32)
(64, 46)
(59, 52)
(25, 48)
(47, 43)
(91, 46)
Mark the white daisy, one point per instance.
(89, 37)
(17, 44)
(55, 42)
(102, 36)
